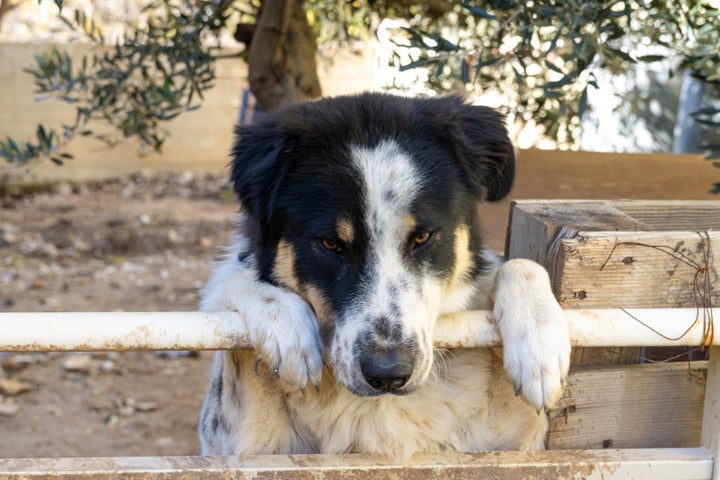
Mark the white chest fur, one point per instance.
(452, 411)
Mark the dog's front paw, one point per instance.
(282, 328)
(534, 332)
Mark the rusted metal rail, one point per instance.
(210, 331)
(636, 464)
(105, 331)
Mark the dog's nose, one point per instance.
(388, 372)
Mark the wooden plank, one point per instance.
(691, 215)
(536, 230)
(630, 406)
(636, 269)
(548, 232)
(711, 413)
(535, 225)
(645, 464)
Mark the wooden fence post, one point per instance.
(711, 413)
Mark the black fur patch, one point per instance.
(293, 174)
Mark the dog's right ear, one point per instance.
(254, 169)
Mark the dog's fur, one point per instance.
(358, 228)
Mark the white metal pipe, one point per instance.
(106, 331)
(637, 464)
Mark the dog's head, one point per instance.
(366, 207)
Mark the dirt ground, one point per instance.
(147, 242)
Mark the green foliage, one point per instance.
(337, 22)
(539, 56)
(151, 76)
(542, 55)
(156, 72)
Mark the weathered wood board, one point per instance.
(630, 406)
(710, 438)
(673, 215)
(629, 254)
(535, 226)
(636, 269)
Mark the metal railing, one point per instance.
(104, 331)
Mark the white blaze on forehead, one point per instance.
(391, 183)
(392, 289)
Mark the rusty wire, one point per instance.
(702, 287)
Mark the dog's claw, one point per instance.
(282, 329)
(517, 389)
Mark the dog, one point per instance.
(357, 229)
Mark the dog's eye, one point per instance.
(422, 238)
(330, 245)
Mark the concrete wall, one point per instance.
(199, 141)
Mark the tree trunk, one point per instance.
(5, 7)
(281, 56)
(687, 135)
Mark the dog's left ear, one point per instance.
(484, 150)
(255, 166)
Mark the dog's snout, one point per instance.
(387, 372)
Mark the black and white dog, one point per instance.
(358, 228)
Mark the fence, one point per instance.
(211, 331)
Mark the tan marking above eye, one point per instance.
(345, 231)
(409, 221)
